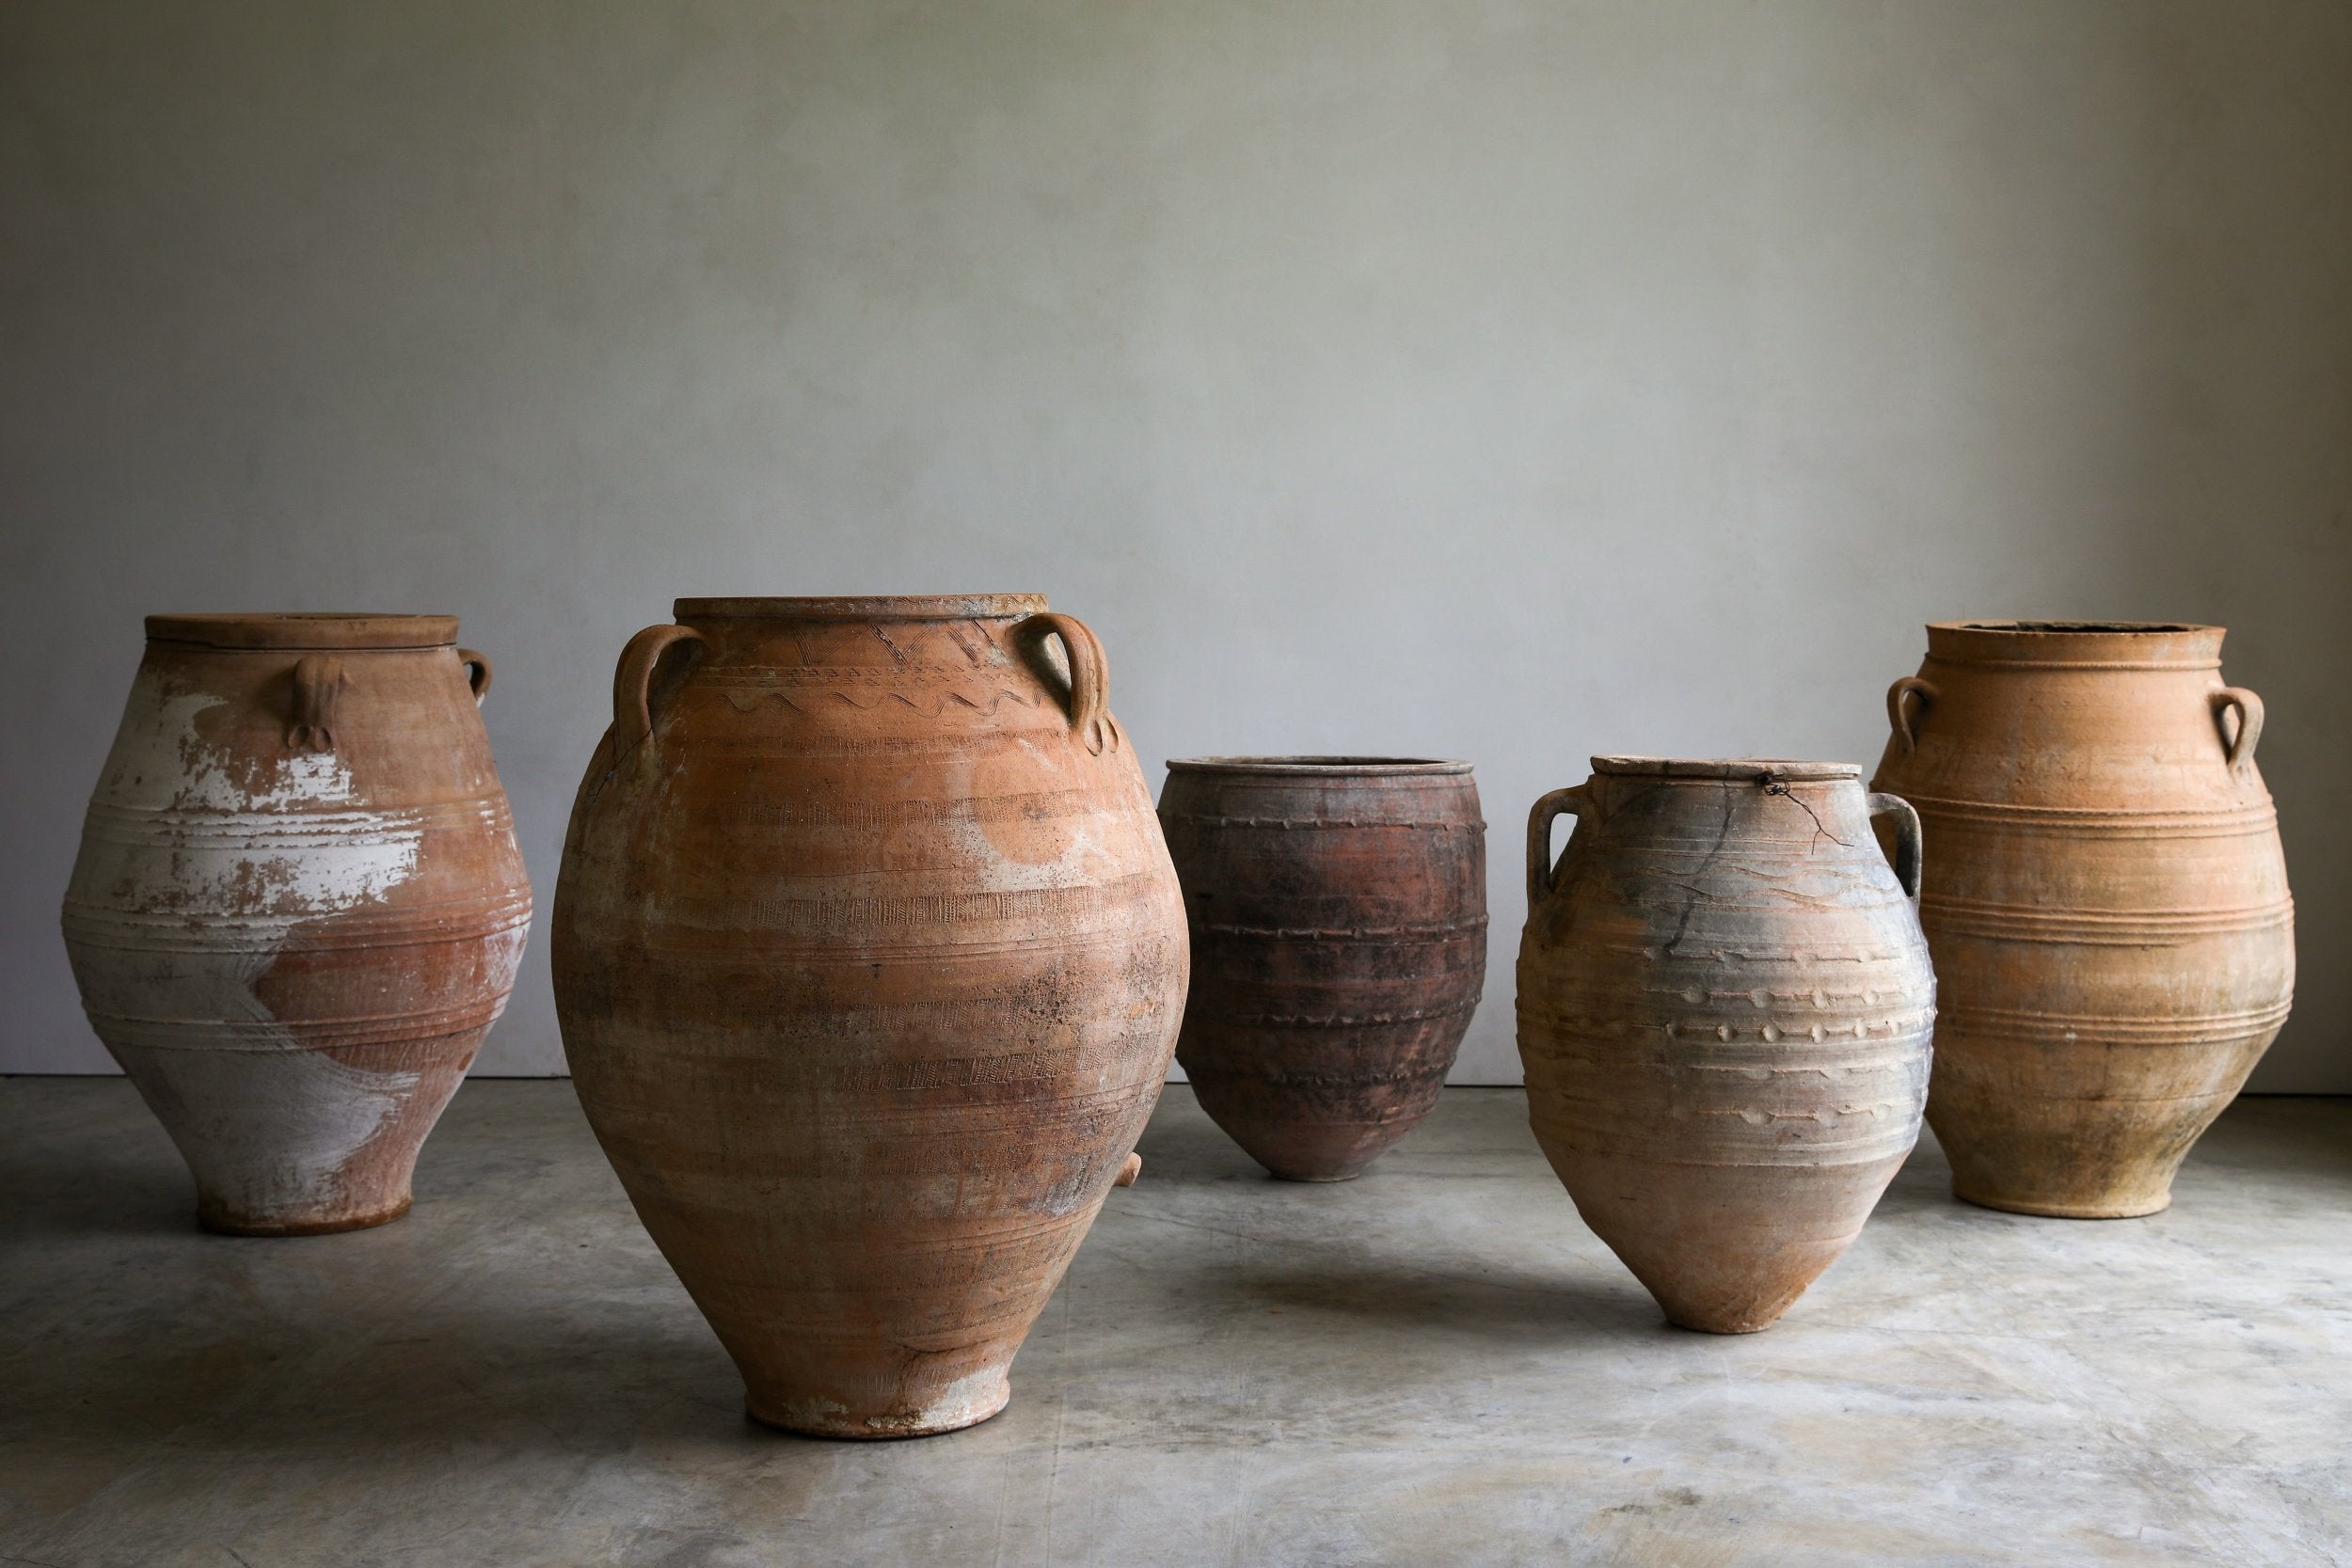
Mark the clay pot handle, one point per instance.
(1129, 1171)
(2249, 721)
(1540, 866)
(477, 674)
(1091, 718)
(1910, 844)
(632, 681)
(1898, 712)
(318, 687)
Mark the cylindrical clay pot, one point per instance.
(1338, 907)
(298, 904)
(2108, 907)
(1725, 1011)
(871, 961)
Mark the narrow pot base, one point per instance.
(882, 1429)
(220, 1225)
(2065, 1211)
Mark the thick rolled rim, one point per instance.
(1317, 766)
(1756, 769)
(867, 606)
(307, 628)
(2075, 628)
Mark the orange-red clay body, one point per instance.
(871, 961)
(2105, 898)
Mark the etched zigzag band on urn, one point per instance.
(870, 960)
(2107, 908)
(298, 904)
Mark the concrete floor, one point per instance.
(1437, 1364)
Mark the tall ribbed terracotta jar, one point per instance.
(1724, 1012)
(870, 960)
(2108, 903)
(298, 904)
(1338, 943)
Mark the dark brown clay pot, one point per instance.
(1338, 907)
(869, 960)
(298, 904)
(2108, 906)
(1724, 1010)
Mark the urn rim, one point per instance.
(1755, 770)
(2078, 645)
(304, 629)
(863, 606)
(1318, 766)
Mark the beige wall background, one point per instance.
(1504, 380)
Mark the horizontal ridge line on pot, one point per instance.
(1343, 1021)
(1341, 933)
(301, 932)
(2023, 923)
(2018, 1023)
(2170, 821)
(1280, 823)
(327, 1034)
(270, 631)
(195, 821)
(830, 813)
(863, 606)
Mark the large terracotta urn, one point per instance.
(1724, 1010)
(870, 960)
(1338, 907)
(298, 904)
(2108, 903)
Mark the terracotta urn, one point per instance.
(869, 959)
(2107, 905)
(298, 904)
(1724, 1010)
(1338, 907)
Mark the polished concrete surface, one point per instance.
(1436, 1364)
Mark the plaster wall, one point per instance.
(1504, 380)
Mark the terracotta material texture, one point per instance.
(2108, 903)
(298, 904)
(870, 960)
(1724, 1010)
(1338, 907)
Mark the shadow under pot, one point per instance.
(1725, 1011)
(2109, 911)
(298, 904)
(1337, 911)
(870, 962)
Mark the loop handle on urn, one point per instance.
(1091, 718)
(477, 673)
(632, 685)
(1541, 869)
(1909, 842)
(1899, 716)
(318, 687)
(2249, 721)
